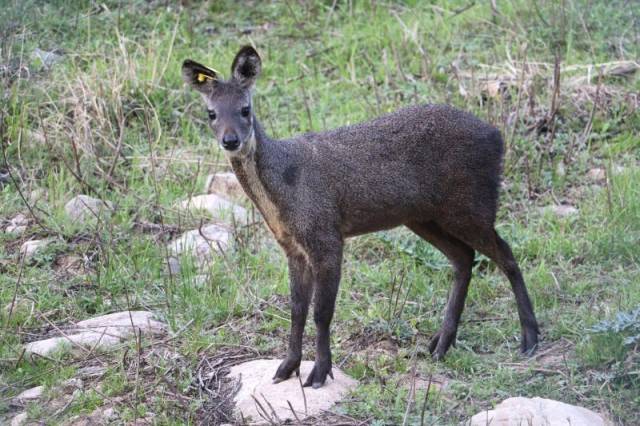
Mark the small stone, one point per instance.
(109, 413)
(30, 394)
(16, 229)
(83, 208)
(562, 210)
(225, 184)
(20, 419)
(92, 371)
(38, 194)
(173, 264)
(47, 58)
(596, 174)
(31, 248)
(220, 208)
(202, 244)
(422, 382)
(537, 412)
(17, 225)
(72, 385)
(104, 331)
(256, 381)
(19, 306)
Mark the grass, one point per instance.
(111, 119)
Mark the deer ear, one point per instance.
(196, 75)
(246, 67)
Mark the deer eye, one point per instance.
(212, 114)
(245, 111)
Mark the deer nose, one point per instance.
(230, 142)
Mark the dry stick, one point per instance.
(373, 82)
(262, 412)
(412, 388)
(426, 398)
(293, 412)
(157, 203)
(15, 182)
(304, 396)
(78, 177)
(15, 292)
(551, 119)
(306, 107)
(516, 119)
(589, 127)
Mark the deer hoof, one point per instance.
(318, 375)
(285, 369)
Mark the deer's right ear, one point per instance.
(196, 75)
(246, 67)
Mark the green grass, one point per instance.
(112, 119)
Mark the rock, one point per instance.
(173, 264)
(92, 371)
(70, 264)
(537, 412)
(83, 208)
(20, 419)
(225, 184)
(596, 174)
(48, 59)
(17, 225)
(31, 248)
(256, 381)
(562, 210)
(220, 208)
(38, 194)
(104, 331)
(20, 306)
(72, 385)
(29, 395)
(202, 244)
(109, 413)
(422, 382)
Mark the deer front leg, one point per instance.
(326, 273)
(301, 289)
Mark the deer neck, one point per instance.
(259, 174)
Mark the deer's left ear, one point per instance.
(196, 75)
(246, 67)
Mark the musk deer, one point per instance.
(432, 168)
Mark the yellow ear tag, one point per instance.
(203, 77)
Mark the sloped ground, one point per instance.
(93, 103)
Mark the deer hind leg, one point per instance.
(461, 257)
(487, 241)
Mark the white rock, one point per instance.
(83, 208)
(104, 331)
(20, 419)
(30, 394)
(256, 381)
(219, 207)
(15, 229)
(202, 244)
(20, 306)
(109, 413)
(17, 225)
(537, 412)
(48, 58)
(92, 371)
(31, 248)
(596, 174)
(562, 210)
(225, 184)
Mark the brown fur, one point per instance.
(432, 168)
